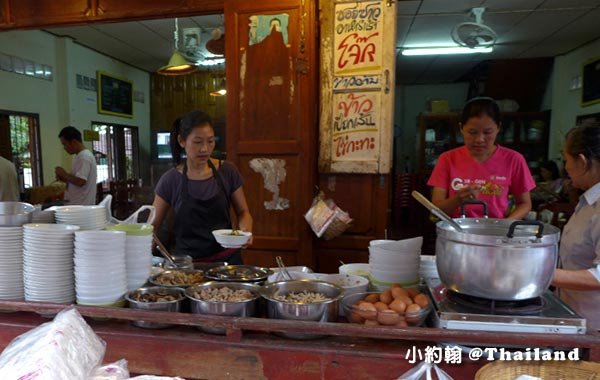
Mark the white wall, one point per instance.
(566, 104)
(412, 100)
(60, 103)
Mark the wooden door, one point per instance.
(271, 121)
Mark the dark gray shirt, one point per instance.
(170, 185)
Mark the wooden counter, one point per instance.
(250, 351)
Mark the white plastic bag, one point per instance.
(133, 218)
(113, 371)
(66, 348)
(425, 371)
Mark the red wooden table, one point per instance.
(251, 351)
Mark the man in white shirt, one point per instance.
(81, 182)
(9, 184)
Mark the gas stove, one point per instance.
(545, 314)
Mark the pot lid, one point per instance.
(496, 230)
(238, 273)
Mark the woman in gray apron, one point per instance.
(200, 192)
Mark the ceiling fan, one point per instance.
(474, 34)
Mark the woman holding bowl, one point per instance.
(200, 190)
(482, 169)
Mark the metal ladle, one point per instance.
(163, 250)
(435, 210)
(282, 268)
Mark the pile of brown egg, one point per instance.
(396, 306)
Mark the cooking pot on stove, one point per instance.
(499, 259)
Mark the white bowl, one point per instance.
(403, 269)
(349, 282)
(392, 277)
(227, 240)
(410, 245)
(357, 269)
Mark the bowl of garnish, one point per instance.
(232, 238)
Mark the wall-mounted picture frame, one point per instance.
(590, 90)
(115, 95)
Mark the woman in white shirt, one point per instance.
(579, 279)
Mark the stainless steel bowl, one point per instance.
(15, 214)
(154, 280)
(326, 311)
(245, 308)
(238, 273)
(173, 306)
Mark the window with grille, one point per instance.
(20, 143)
(116, 152)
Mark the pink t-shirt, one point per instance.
(504, 173)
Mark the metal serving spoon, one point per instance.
(282, 268)
(163, 250)
(435, 210)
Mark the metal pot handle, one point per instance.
(513, 225)
(473, 202)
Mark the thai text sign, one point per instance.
(358, 38)
(355, 132)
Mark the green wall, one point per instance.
(566, 103)
(60, 103)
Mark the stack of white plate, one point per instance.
(100, 275)
(394, 261)
(428, 268)
(48, 262)
(86, 217)
(11, 263)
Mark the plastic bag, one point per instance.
(113, 371)
(150, 377)
(326, 219)
(425, 371)
(133, 218)
(66, 348)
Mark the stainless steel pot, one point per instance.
(497, 259)
(15, 214)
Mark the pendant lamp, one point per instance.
(221, 91)
(177, 65)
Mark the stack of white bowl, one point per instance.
(11, 263)
(138, 252)
(394, 261)
(86, 217)
(48, 262)
(100, 274)
(428, 268)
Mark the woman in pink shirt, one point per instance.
(482, 169)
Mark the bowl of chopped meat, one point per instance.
(233, 299)
(179, 278)
(155, 298)
(302, 300)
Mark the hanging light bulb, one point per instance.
(222, 89)
(177, 65)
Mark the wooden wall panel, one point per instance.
(173, 96)
(272, 114)
(281, 223)
(42, 13)
(366, 198)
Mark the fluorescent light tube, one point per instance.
(446, 50)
